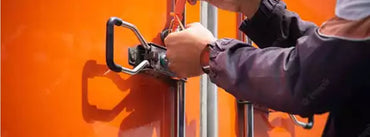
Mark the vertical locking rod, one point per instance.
(181, 125)
(210, 127)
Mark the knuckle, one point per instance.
(197, 23)
(167, 40)
(170, 40)
(192, 24)
(181, 75)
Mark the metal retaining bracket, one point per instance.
(304, 125)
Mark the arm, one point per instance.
(314, 75)
(273, 25)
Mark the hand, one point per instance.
(247, 7)
(184, 48)
(192, 2)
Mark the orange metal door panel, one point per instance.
(54, 78)
(55, 81)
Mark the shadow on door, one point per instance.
(150, 100)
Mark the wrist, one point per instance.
(249, 9)
(204, 58)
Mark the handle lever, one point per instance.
(110, 50)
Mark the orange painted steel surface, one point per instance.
(54, 78)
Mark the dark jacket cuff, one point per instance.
(216, 48)
(262, 15)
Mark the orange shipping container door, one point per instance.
(55, 81)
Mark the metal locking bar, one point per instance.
(247, 128)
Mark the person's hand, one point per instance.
(192, 2)
(184, 49)
(247, 7)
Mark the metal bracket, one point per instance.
(308, 125)
(156, 56)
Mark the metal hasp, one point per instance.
(308, 125)
(158, 63)
(150, 58)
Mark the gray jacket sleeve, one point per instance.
(296, 70)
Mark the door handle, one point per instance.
(145, 55)
(114, 21)
(149, 57)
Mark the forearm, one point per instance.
(274, 25)
(306, 79)
(252, 74)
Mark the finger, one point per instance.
(168, 55)
(170, 39)
(192, 24)
(192, 2)
(181, 76)
(167, 41)
(172, 68)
